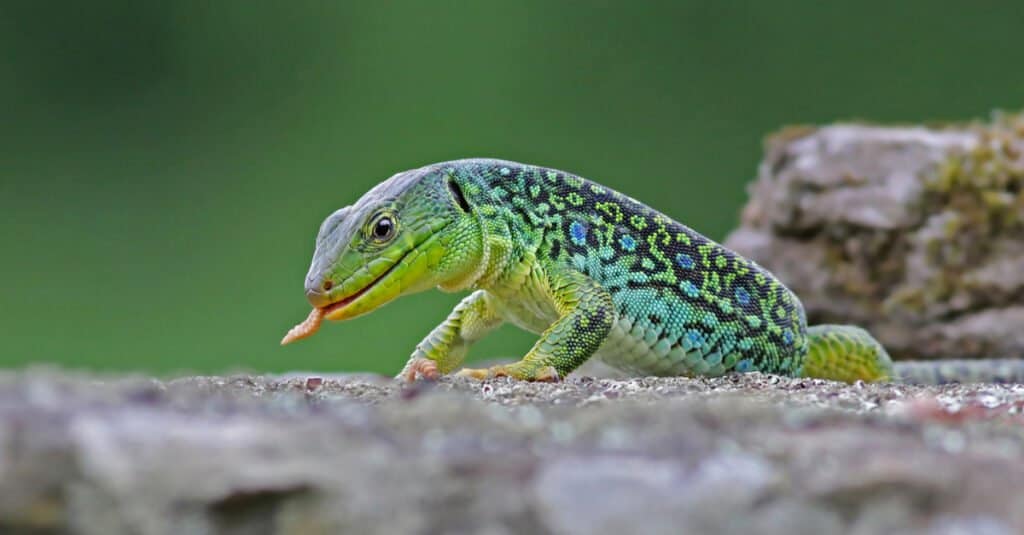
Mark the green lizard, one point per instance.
(592, 271)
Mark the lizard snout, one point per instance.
(318, 291)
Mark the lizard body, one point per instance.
(593, 272)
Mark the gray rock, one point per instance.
(329, 454)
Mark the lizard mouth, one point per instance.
(335, 307)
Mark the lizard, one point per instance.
(594, 272)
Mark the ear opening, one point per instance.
(456, 191)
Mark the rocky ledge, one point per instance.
(360, 454)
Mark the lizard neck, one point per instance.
(502, 253)
(496, 253)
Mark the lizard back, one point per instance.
(686, 304)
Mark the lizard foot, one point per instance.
(546, 374)
(419, 368)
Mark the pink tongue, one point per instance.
(308, 327)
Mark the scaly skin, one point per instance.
(592, 271)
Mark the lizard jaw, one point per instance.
(335, 311)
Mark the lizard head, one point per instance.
(410, 233)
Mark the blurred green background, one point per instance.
(164, 166)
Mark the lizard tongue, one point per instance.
(307, 328)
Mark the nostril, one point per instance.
(328, 285)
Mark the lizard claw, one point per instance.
(419, 368)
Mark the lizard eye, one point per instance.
(383, 229)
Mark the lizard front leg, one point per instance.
(586, 316)
(446, 346)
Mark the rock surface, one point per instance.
(360, 454)
(915, 233)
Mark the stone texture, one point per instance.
(360, 454)
(916, 233)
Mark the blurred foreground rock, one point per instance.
(308, 455)
(916, 233)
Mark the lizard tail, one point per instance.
(846, 353)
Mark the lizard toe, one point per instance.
(420, 368)
(546, 374)
(478, 374)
